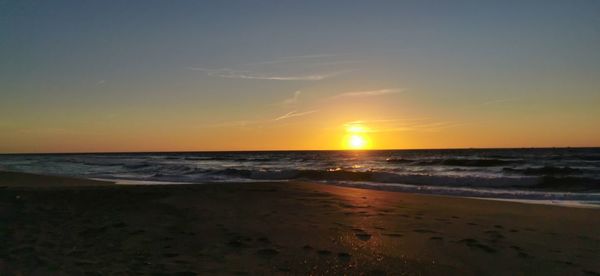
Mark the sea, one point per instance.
(558, 176)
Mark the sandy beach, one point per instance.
(55, 225)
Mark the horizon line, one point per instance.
(291, 150)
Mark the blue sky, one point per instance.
(206, 72)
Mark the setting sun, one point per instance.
(357, 142)
(356, 137)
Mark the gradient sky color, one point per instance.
(87, 76)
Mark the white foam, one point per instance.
(567, 199)
(563, 203)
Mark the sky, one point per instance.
(97, 76)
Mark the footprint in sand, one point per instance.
(591, 272)
(425, 231)
(520, 252)
(344, 256)
(494, 236)
(361, 234)
(473, 243)
(324, 252)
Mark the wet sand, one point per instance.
(55, 225)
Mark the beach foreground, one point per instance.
(72, 226)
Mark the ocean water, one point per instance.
(549, 175)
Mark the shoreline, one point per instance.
(129, 182)
(295, 228)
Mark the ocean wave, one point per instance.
(458, 162)
(137, 166)
(374, 176)
(399, 160)
(228, 158)
(545, 170)
(202, 158)
(540, 169)
(552, 197)
(576, 157)
(570, 183)
(467, 162)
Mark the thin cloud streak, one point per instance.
(368, 93)
(409, 124)
(293, 114)
(293, 100)
(250, 123)
(244, 74)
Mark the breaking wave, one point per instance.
(494, 172)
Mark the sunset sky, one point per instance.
(87, 76)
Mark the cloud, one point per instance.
(314, 67)
(406, 124)
(249, 75)
(368, 93)
(293, 100)
(259, 122)
(292, 114)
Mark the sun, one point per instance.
(356, 141)
(356, 137)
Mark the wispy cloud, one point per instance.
(249, 75)
(260, 122)
(368, 93)
(313, 67)
(406, 124)
(293, 100)
(293, 114)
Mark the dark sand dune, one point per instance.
(281, 228)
